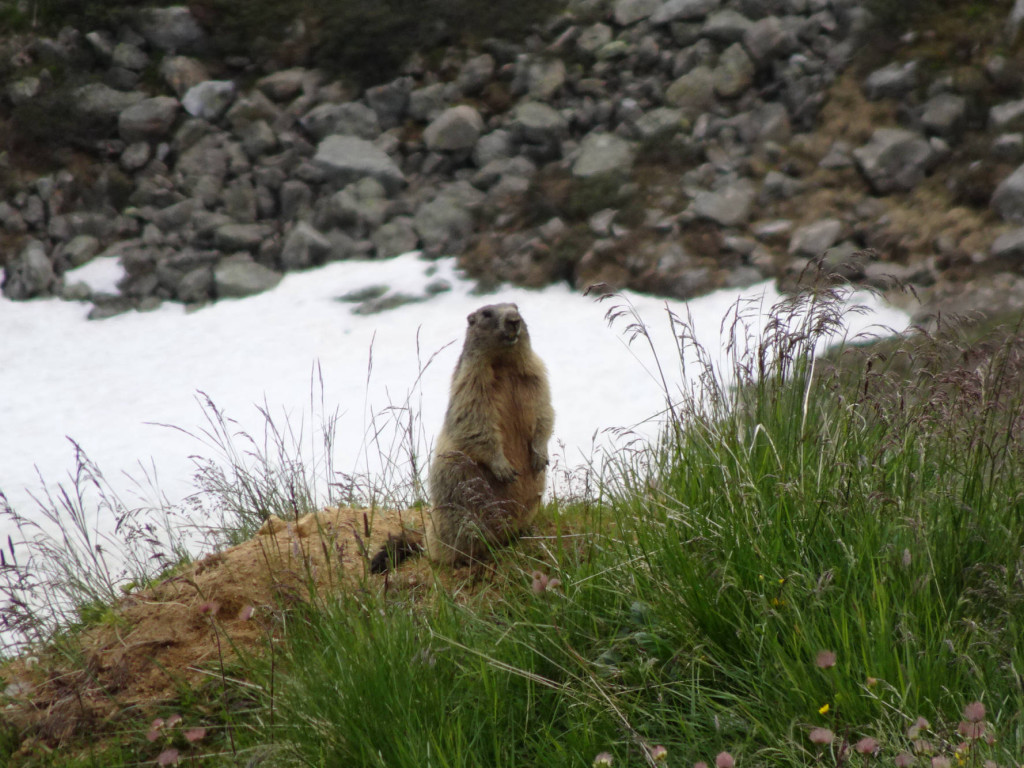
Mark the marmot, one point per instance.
(490, 461)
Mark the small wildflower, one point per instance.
(825, 660)
(923, 747)
(777, 603)
(823, 709)
(871, 682)
(702, 764)
(245, 613)
(906, 558)
(659, 754)
(167, 757)
(602, 759)
(904, 760)
(919, 725)
(541, 583)
(210, 606)
(724, 760)
(197, 734)
(941, 762)
(866, 746)
(821, 736)
(173, 720)
(971, 730)
(974, 712)
(990, 764)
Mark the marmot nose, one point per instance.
(513, 323)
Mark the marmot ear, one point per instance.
(471, 317)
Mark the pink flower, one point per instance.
(825, 659)
(919, 725)
(904, 760)
(941, 762)
(173, 720)
(701, 764)
(975, 712)
(971, 730)
(245, 613)
(167, 757)
(194, 734)
(724, 760)
(659, 754)
(602, 759)
(541, 583)
(866, 746)
(210, 606)
(821, 736)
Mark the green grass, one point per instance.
(868, 504)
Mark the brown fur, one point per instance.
(490, 461)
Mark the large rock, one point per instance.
(628, 12)
(895, 160)
(209, 100)
(603, 153)
(734, 73)
(727, 207)
(172, 29)
(303, 247)
(97, 101)
(726, 26)
(1008, 198)
(892, 81)
(182, 72)
(814, 239)
(944, 115)
(454, 129)
(543, 77)
(149, 120)
(348, 119)
(768, 39)
(535, 122)
(390, 101)
(443, 225)
(396, 237)
(693, 93)
(28, 274)
(238, 275)
(1008, 116)
(683, 10)
(345, 159)
(240, 237)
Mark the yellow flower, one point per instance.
(823, 710)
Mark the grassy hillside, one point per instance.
(820, 567)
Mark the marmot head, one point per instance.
(501, 322)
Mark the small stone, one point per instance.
(454, 129)
(238, 276)
(209, 100)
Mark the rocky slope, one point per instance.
(670, 146)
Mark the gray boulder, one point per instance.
(814, 239)
(238, 275)
(457, 128)
(895, 160)
(683, 10)
(535, 122)
(171, 29)
(97, 101)
(345, 159)
(693, 93)
(359, 208)
(390, 101)
(303, 247)
(1009, 245)
(768, 39)
(726, 26)
(727, 207)
(1008, 116)
(475, 74)
(1008, 198)
(195, 286)
(660, 122)
(396, 237)
(182, 72)
(427, 102)
(543, 77)
(285, 84)
(603, 153)
(149, 120)
(734, 73)
(81, 249)
(130, 57)
(628, 12)
(210, 99)
(443, 225)
(28, 274)
(944, 115)
(348, 119)
(496, 145)
(891, 81)
(593, 38)
(240, 237)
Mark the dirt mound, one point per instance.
(167, 638)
